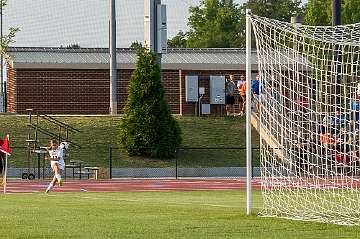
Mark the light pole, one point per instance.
(113, 69)
(2, 60)
(336, 20)
(336, 12)
(155, 27)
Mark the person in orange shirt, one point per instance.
(243, 96)
(240, 101)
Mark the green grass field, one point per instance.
(206, 214)
(98, 133)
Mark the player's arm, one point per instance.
(47, 156)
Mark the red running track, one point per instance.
(132, 185)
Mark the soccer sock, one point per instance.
(49, 187)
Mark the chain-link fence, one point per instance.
(114, 162)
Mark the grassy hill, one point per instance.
(100, 132)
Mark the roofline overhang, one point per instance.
(130, 66)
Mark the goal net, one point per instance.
(310, 120)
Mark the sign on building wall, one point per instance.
(191, 88)
(217, 90)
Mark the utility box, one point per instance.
(191, 88)
(217, 90)
(205, 109)
(161, 29)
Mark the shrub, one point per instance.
(148, 128)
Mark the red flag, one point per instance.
(4, 146)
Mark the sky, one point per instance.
(52, 23)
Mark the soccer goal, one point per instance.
(309, 108)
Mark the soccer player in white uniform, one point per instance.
(56, 157)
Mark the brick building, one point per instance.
(76, 81)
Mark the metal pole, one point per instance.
(6, 167)
(110, 162)
(176, 167)
(336, 20)
(156, 36)
(336, 12)
(38, 166)
(5, 98)
(248, 114)
(5, 173)
(113, 70)
(2, 59)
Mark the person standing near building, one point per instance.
(230, 90)
(256, 91)
(243, 96)
(239, 85)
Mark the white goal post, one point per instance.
(309, 106)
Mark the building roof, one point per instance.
(98, 58)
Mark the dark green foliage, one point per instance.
(319, 12)
(221, 23)
(73, 46)
(136, 45)
(281, 10)
(7, 39)
(178, 41)
(148, 127)
(214, 23)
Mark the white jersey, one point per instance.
(55, 153)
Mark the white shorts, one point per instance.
(61, 166)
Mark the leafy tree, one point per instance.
(178, 41)
(214, 23)
(7, 39)
(319, 12)
(148, 128)
(281, 10)
(221, 23)
(351, 12)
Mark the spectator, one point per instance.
(256, 85)
(243, 96)
(355, 109)
(230, 91)
(241, 100)
(256, 91)
(339, 119)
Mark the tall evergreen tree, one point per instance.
(148, 128)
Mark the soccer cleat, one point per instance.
(47, 191)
